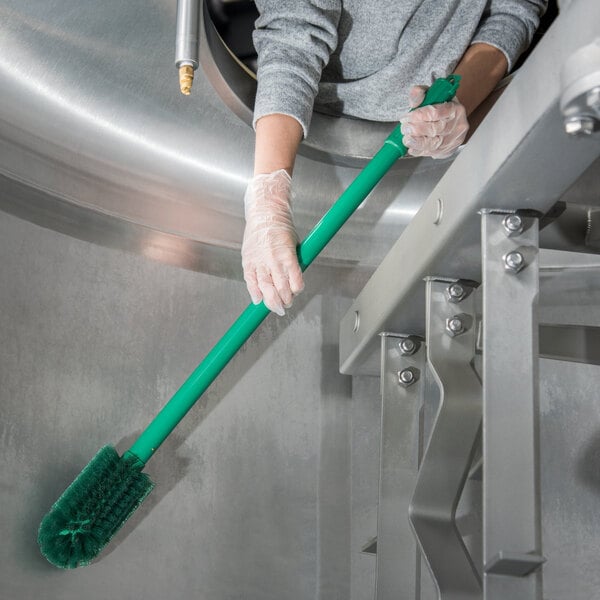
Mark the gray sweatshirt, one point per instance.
(360, 57)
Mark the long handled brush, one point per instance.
(110, 488)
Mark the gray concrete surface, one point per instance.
(253, 489)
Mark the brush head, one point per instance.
(93, 508)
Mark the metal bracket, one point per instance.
(449, 454)
(398, 558)
(511, 503)
(512, 563)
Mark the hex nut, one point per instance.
(408, 376)
(514, 261)
(454, 326)
(455, 292)
(408, 346)
(582, 125)
(513, 224)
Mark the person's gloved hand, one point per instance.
(269, 259)
(436, 130)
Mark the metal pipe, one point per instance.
(186, 43)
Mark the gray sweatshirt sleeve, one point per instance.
(293, 39)
(509, 25)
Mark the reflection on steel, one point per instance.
(99, 143)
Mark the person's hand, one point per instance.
(269, 258)
(436, 130)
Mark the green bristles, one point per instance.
(93, 508)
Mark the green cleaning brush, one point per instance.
(110, 488)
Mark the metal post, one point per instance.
(451, 337)
(186, 42)
(511, 497)
(402, 382)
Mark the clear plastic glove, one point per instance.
(269, 258)
(436, 130)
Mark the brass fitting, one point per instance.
(186, 79)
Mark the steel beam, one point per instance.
(511, 496)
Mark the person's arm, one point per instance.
(481, 69)
(505, 31)
(277, 139)
(271, 268)
(293, 40)
(437, 131)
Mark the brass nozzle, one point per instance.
(186, 79)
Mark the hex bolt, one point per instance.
(455, 326)
(408, 347)
(582, 125)
(514, 261)
(513, 225)
(456, 292)
(408, 376)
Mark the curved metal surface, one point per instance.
(96, 141)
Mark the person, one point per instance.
(362, 58)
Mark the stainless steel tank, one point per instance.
(97, 142)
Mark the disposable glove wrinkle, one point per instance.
(271, 270)
(436, 130)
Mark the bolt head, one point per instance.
(408, 347)
(578, 126)
(408, 376)
(514, 261)
(513, 224)
(456, 292)
(454, 326)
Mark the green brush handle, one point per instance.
(442, 90)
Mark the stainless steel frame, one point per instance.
(449, 453)
(520, 176)
(511, 496)
(519, 154)
(402, 388)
